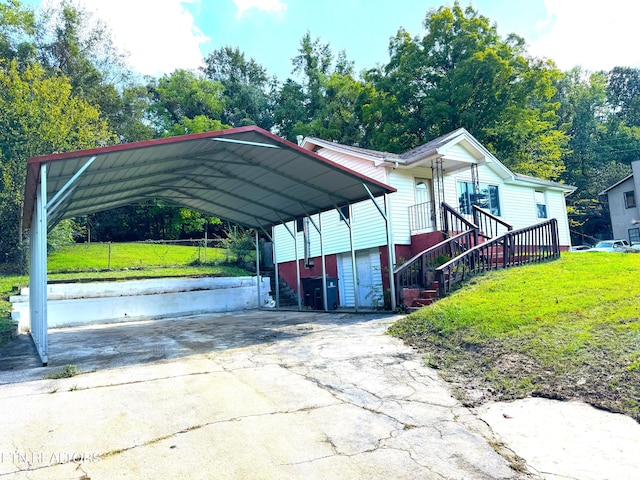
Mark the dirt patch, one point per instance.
(499, 370)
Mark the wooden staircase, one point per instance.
(416, 298)
(469, 250)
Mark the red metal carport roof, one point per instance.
(244, 175)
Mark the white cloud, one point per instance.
(275, 6)
(594, 34)
(160, 35)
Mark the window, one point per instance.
(541, 204)
(629, 199)
(300, 224)
(345, 213)
(487, 198)
(634, 235)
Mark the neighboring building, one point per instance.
(623, 198)
(454, 168)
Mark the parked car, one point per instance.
(611, 246)
(580, 248)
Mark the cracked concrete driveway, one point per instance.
(254, 395)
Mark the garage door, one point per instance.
(369, 291)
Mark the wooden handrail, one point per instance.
(486, 222)
(413, 274)
(438, 246)
(465, 224)
(515, 247)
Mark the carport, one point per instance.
(245, 175)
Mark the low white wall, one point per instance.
(71, 304)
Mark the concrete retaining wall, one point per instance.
(71, 304)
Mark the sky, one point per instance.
(163, 35)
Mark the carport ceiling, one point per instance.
(244, 175)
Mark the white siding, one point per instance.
(359, 165)
(517, 207)
(459, 153)
(404, 182)
(517, 202)
(368, 231)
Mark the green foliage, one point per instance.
(289, 111)
(38, 115)
(246, 85)
(198, 124)
(461, 74)
(183, 96)
(239, 241)
(67, 371)
(16, 27)
(62, 234)
(64, 86)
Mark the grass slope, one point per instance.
(563, 329)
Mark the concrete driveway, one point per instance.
(257, 395)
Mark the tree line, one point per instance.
(63, 86)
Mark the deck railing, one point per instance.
(416, 272)
(490, 226)
(516, 247)
(422, 216)
(454, 223)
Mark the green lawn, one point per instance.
(100, 256)
(101, 261)
(563, 329)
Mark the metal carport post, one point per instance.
(38, 270)
(390, 247)
(295, 248)
(354, 268)
(318, 228)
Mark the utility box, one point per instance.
(313, 293)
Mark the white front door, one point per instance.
(369, 289)
(422, 215)
(423, 191)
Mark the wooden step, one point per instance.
(429, 294)
(423, 302)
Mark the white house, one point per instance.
(455, 169)
(623, 206)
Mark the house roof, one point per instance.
(544, 183)
(431, 148)
(438, 148)
(244, 175)
(604, 192)
(407, 157)
(310, 142)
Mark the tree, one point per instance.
(313, 61)
(462, 74)
(71, 42)
(246, 86)
(38, 115)
(17, 26)
(327, 104)
(623, 94)
(289, 110)
(182, 96)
